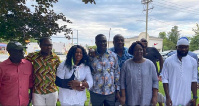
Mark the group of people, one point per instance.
(114, 76)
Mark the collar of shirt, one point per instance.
(107, 52)
(8, 61)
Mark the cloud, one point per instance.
(127, 17)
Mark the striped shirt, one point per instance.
(44, 72)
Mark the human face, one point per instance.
(46, 46)
(144, 42)
(138, 51)
(182, 50)
(119, 42)
(78, 55)
(101, 43)
(16, 55)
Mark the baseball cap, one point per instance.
(14, 45)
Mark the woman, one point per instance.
(139, 82)
(73, 76)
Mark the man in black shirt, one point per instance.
(152, 54)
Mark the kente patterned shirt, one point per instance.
(44, 73)
(124, 57)
(105, 73)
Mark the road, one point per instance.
(5, 56)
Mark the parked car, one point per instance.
(196, 52)
(164, 54)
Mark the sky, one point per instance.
(126, 17)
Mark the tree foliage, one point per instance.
(18, 22)
(170, 39)
(194, 43)
(91, 1)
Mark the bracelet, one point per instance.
(195, 97)
(81, 84)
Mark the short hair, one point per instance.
(71, 55)
(132, 47)
(118, 35)
(99, 35)
(41, 40)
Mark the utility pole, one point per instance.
(147, 5)
(109, 37)
(77, 37)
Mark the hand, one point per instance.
(73, 84)
(80, 88)
(122, 100)
(192, 102)
(154, 101)
(168, 102)
(160, 78)
(117, 96)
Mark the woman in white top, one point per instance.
(73, 77)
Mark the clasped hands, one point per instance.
(75, 85)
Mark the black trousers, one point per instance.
(102, 100)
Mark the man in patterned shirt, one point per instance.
(105, 74)
(45, 64)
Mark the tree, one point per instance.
(91, 1)
(194, 43)
(174, 35)
(170, 40)
(17, 22)
(162, 35)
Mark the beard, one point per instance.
(182, 54)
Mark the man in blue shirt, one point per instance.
(120, 50)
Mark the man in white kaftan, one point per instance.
(178, 75)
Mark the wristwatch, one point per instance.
(81, 84)
(195, 97)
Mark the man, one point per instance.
(45, 64)
(179, 76)
(120, 50)
(105, 74)
(15, 77)
(152, 54)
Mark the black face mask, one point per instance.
(181, 53)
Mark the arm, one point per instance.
(154, 85)
(89, 80)
(194, 84)
(60, 81)
(168, 99)
(159, 57)
(165, 80)
(123, 97)
(122, 84)
(116, 74)
(161, 63)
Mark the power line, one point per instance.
(167, 1)
(177, 9)
(175, 6)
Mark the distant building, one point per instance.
(152, 41)
(3, 48)
(59, 48)
(32, 47)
